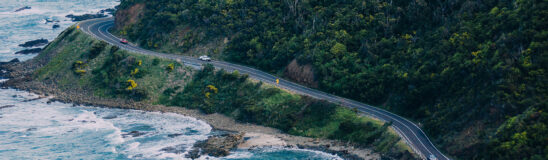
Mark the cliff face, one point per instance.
(129, 16)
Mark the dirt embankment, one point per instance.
(129, 16)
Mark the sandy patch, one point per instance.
(254, 140)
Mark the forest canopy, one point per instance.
(471, 73)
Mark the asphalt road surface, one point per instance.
(410, 132)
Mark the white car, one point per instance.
(204, 58)
(432, 157)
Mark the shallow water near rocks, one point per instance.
(38, 130)
(30, 24)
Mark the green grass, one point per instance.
(252, 102)
(75, 46)
(237, 96)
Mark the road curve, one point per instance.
(410, 132)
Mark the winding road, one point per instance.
(410, 132)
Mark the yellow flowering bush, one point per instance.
(78, 67)
(80, 71)
(170, 67)
(131, 85)
(213, 88)
(209, 89)
(135, 71)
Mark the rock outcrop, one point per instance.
(23, 8)
(76, 18)
(35, 43)
(29, 51)
(217, 146)
(5, 69)
(133, 134)
(6, 106)
(49, 20)
(110, 11)
(15, 60)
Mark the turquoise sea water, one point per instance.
(31, 128)
(30, 24)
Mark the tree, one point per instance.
(338, 49)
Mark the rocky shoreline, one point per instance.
(101, 14)
(23, 8)
(29, 51)
(250, 136)
(34, 43)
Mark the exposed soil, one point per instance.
(129, 16)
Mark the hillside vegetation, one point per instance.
(77, 62)
(471, 73)
(236, 96)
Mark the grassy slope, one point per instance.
(76, 46)
(236, 96)
(107, 70)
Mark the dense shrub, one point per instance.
(170, 67)
(117, 75)
(233, 95)
(78, 68)
(450, 65)
(96, 49)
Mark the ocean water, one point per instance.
(30, 24)
(30, 128)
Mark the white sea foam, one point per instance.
(163, 127)
(29, 24)
(317, 153)
(34, 129)
(63, 124)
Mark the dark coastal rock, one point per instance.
(23, 8)
(15, 60)
(174, 135)
(85, 121)
(33, 99)
(35, 43)
(217, 146)
(5, 70)
(178, 149)
(193, 154)
(110, 117)
(6, 106)
(55, 26)
(29, 51)
(133, 134)
(48, 20)
(76, 18)
(108, 11)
